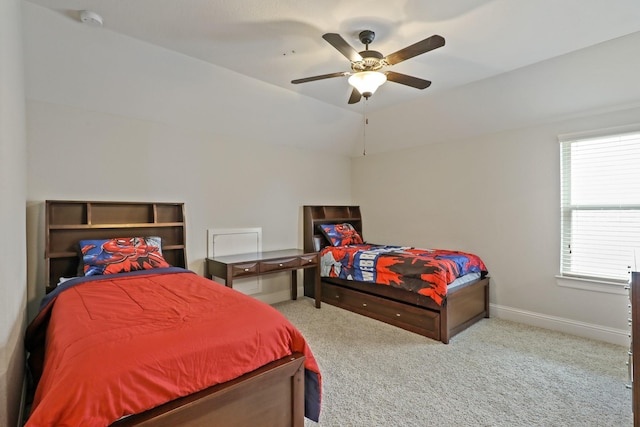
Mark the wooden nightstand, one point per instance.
(230, 267)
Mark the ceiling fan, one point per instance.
(365, 74)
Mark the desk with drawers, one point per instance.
(230, 267)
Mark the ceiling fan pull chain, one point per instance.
(365, 122)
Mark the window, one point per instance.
(600, 224)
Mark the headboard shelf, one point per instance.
(122, 213)
(118, 226)
(337, 213)
(68, 222)
(317, 215)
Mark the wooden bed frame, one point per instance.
(464, 306)
(273, 395)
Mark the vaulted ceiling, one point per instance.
(277, 41)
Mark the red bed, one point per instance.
(164, 346)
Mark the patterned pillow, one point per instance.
(341, 234)
(120, 255)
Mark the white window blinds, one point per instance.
(600, 224)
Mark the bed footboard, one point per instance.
(464, 307)
(271, 396)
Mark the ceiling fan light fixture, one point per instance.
(367, 82)
(365, 75)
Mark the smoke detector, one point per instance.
(91, 18)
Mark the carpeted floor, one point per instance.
(496, 373)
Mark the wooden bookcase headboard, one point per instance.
(314, 240)
(317, 215)
(68, 222)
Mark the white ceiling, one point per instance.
(280, 40)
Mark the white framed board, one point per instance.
(233, 241)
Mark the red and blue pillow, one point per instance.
(120, 255)
(341, 234)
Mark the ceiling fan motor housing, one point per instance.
(367, 36)
(371, 61)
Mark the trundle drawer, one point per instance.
(415, 319)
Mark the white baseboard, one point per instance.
(560, 324)
(587, 330)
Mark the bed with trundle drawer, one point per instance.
(439, 308)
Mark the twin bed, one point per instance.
(435, 311)
(135, 339)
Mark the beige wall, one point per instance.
(497, 196)
(137, 122)
(113, 118)
(225, 183)
(599, 78)
(477, 168)
(483, 175)
(12, 213)
(95, 69)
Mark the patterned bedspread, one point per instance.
(425, 271)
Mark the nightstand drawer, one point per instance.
(244, 269)
(308, 260)
(279, 264)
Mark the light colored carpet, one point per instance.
(496, 373)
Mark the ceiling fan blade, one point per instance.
(415, 49)
(320, 77)
(342, 46)
(355, 96)
(407, 80)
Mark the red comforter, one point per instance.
(122, 345)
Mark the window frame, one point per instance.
(571, 279)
